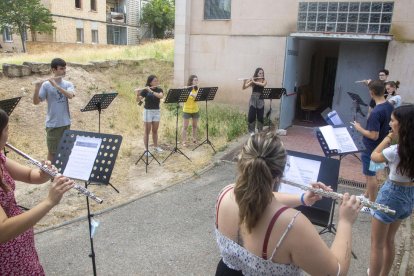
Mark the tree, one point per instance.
(159, 16)
(24, 15)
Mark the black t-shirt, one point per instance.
(257, 88)
(151, 102)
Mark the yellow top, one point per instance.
(191, 106)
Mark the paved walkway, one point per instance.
(169, 232)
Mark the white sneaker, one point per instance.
(147, 153)
(158, 149)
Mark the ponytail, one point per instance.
(261, 162)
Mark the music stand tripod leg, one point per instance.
(92, 254)
(176, 149)
(207, 140)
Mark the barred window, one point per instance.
(7, 34)
(95, 39)
(345, 17)
(217, 9)
(79, 35)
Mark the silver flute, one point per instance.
(334, 195)
(38, 164)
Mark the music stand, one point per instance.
(356, 137)
(331, 117)
(270, 94)
(322, 212)
(144, 157)
(101, 171)
(99, 102)
(177, 96)
(357, 102)
(8, 107)
(206, 94)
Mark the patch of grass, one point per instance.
(161, 50)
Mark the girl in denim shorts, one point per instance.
(397, 191)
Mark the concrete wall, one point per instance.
(400, 62)
(67, 18)
(220, 51)
(11, 46)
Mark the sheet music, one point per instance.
(338, 138)
(344, 139)
(299, 170)
(82, 157)
(334, 118)
(330, 138)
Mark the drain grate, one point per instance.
(351, 183)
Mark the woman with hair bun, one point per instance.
(393, 97)
(258, 231)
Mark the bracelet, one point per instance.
(302, 199)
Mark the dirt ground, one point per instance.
(27, 133)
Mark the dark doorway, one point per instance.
(328, 82)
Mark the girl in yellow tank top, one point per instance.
(191, 111)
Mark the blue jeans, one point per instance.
(398, 198)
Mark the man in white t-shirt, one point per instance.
(56, 91)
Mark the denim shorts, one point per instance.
(398, 198)
(191, 115)
(366, 159)
(151, 115)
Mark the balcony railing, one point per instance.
(116, 17)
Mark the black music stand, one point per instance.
(322, 212)
(206, 94)
(272, 94)
(144, 157)
(356, 137)
(99, 102)
(177, 96)
(101, 171)
(327, 116)
(357, 102)
(8, 107)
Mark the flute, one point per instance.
(142, 88)
(333, 195)
(43, 80)
(242, 79)
(360, 81)
(77, 187)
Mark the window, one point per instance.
(79, 35)
(217, 9)
(95, 37)
(7, 35)
(93, 5)
(78, 4)
(345, 17)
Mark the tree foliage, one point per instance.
(159, 16)
(25, 15)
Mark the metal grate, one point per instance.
(351, 183)
(345, 17)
